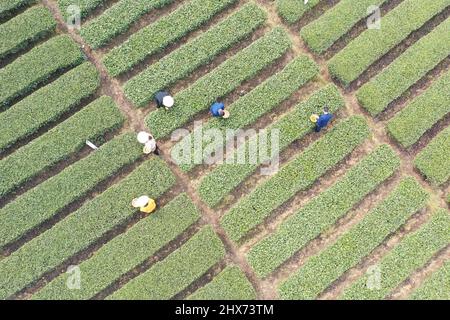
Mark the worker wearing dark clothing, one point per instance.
(217, 109)
(163, 99)
(323, 120)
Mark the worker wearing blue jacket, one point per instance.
(218, 110)
(323, 120)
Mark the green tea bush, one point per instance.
(422, 113)
(372, 44)
(173, 274)
(160, 34)
(116, 20)
(126, 251)
(230, 284)
(24, 29)
(71, 184)
(261, 100)
(299, 174)
(200, 51)
(69, 137)
(412, 253)
(83, 227)
(321, 270)
(219, 82)
(295, 125)
(433, 161)
(47, 104)
(323, 211)
(31, 69)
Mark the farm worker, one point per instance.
(218, 110)
(144, 203)
(149, 142)
(323, 119)
(164, 99)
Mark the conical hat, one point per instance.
(314, 118)
(140, 202)
(147, 149)
(168, 101)
(226, 114)
(143, 137)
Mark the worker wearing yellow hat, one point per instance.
(145, 204)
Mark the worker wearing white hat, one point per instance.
(144, 203)
(164, 99)
(149, 142)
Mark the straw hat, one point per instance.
(314, 118)
(226, 114)
(143, 137)
(147, 149)
(140, 202)
(168, 101)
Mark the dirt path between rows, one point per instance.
(266, 289)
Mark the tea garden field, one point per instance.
(365, 201)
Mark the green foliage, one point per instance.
(322, 33)
(34, 67)
(299, 174)
(436, 287)
(292, 10)
(8, 7)
(82, 228)
(67, 138)
(295, 125)
(412, 253)
(323, 211)
(160, 34)
(86, 6)
(173, 274)
(434, 161)
(126, 251)
(261, 100)
(47, 104)
(117, 19)
(24, 29)
(372, 44)
(321, 270)
(422, 113)
(230, 284)
(219, 82)
(200, 51)
(376, 95)
(71, 184)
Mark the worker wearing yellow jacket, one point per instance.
(145, 204)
